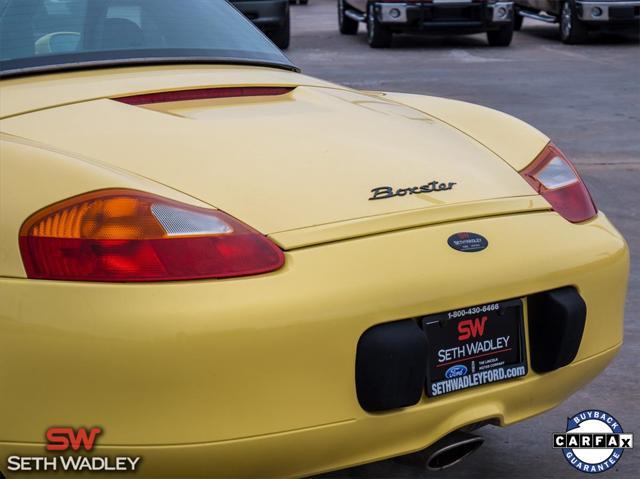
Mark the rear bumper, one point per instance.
(254, 377)
(338, 445)
(265, 14)
(463, 15)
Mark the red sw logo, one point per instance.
(63, 438)
(471, 328)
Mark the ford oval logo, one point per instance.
(468, 242)
(456, 371)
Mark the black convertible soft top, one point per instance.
(38, 36)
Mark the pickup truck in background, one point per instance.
(577, 18)
(270, 16)
(384, 18)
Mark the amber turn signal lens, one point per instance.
(125, 235)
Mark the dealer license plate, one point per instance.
(474, 346)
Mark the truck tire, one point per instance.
(501, 37)
(572, 30)
(517, 19)
(377, 35)
(348, 26)
(282, 35)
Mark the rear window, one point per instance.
(52, 34)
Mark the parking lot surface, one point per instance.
(587, 99)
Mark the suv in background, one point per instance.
(271, 16)
(384, 18)
(577, 17)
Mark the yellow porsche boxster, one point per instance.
(212, 265)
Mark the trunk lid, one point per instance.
(301, 160)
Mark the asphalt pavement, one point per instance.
(587, 99)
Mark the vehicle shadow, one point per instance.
(414, 42)
(551, 33)
(401, 41)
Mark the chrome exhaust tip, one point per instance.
(446, 452)
(451, 449)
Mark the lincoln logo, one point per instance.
(471, 328)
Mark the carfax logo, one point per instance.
(65, 439)
(593, 442)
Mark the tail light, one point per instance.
(120, 235)
(554, 177)
(202, 94)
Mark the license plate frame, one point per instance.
(475, 346)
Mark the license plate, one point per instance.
(474, 346)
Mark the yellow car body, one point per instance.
(254, 376)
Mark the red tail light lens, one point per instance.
(553, 176)
(120, 235)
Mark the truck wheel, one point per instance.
(517, 19)
(282, 35)
(572, 30)
(348, 26)
(501, 37)
(377, 35)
